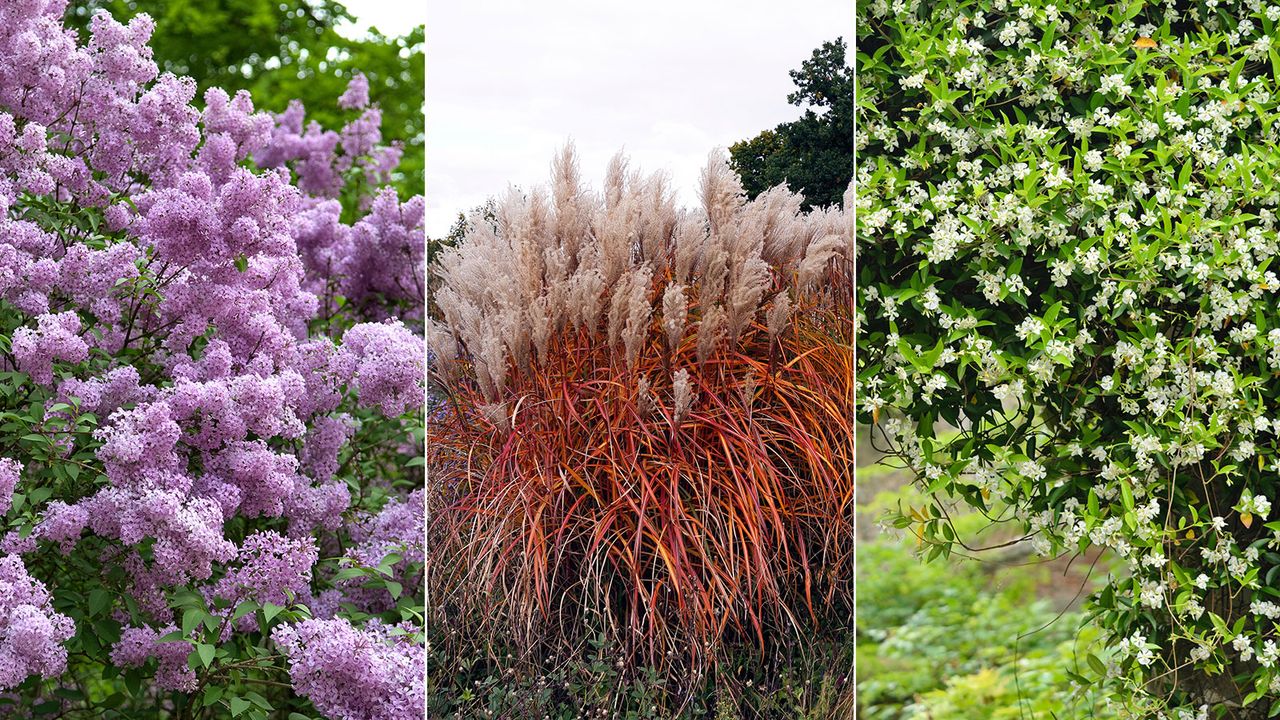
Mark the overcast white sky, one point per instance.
(509, 82)
(390, 17)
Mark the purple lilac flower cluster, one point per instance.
(377, 264)
(10, 473)
(139, 644)
(354, 674)
(399, 528)
(31, 632)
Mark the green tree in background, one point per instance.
(285, 49)
(814, 154)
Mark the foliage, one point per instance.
(206, 483)
(1067, 220)
(949, 641)
(674, 481)
(811, 155)
(471, 679)
(281, 50)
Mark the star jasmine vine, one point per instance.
(1066, 222)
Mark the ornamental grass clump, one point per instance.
(647, 431)
(1067, 231)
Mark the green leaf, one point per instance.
(212, 694)
(206, 652)
(270, 610)
(259, 700)
(190, 619)
(1097, 665)
(1185, 175)
(238, 706)
(99, 600)
(349, 573)
(244, 608)
(1220, 625)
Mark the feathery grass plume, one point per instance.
(747, 390)
(748, 286)
(682, 396)
(571, 212)
(715, 272)
(820, 252)
(618, 308)
(585, 294)
(614, 236)
(541, 319)
(784, 238)
(690, 240)
(493, 361)
(675, 313)
(644, 397)
(639, 310)
(656, 221)
(530, 235)
(615, 181)
(442, 344)
(722, 194)
(496, 414)
(711, 331)
(590, 513)
(778, 314)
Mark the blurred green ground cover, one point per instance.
(964, 639)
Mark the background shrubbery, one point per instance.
(965, 638)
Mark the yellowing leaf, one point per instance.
(1246, 519)
(1144, 42)
(875, 416)
(1191, 534)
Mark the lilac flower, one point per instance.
(138, 644)
(271, 568)
(398, 528)
(389, 373)
(62, 523)
(56, 338)
(352, 674)
(10, 471)
(357, 94)
(31, 633)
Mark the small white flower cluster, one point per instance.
(1251, 504)
(1137, 647)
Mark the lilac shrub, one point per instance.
(211, 385)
